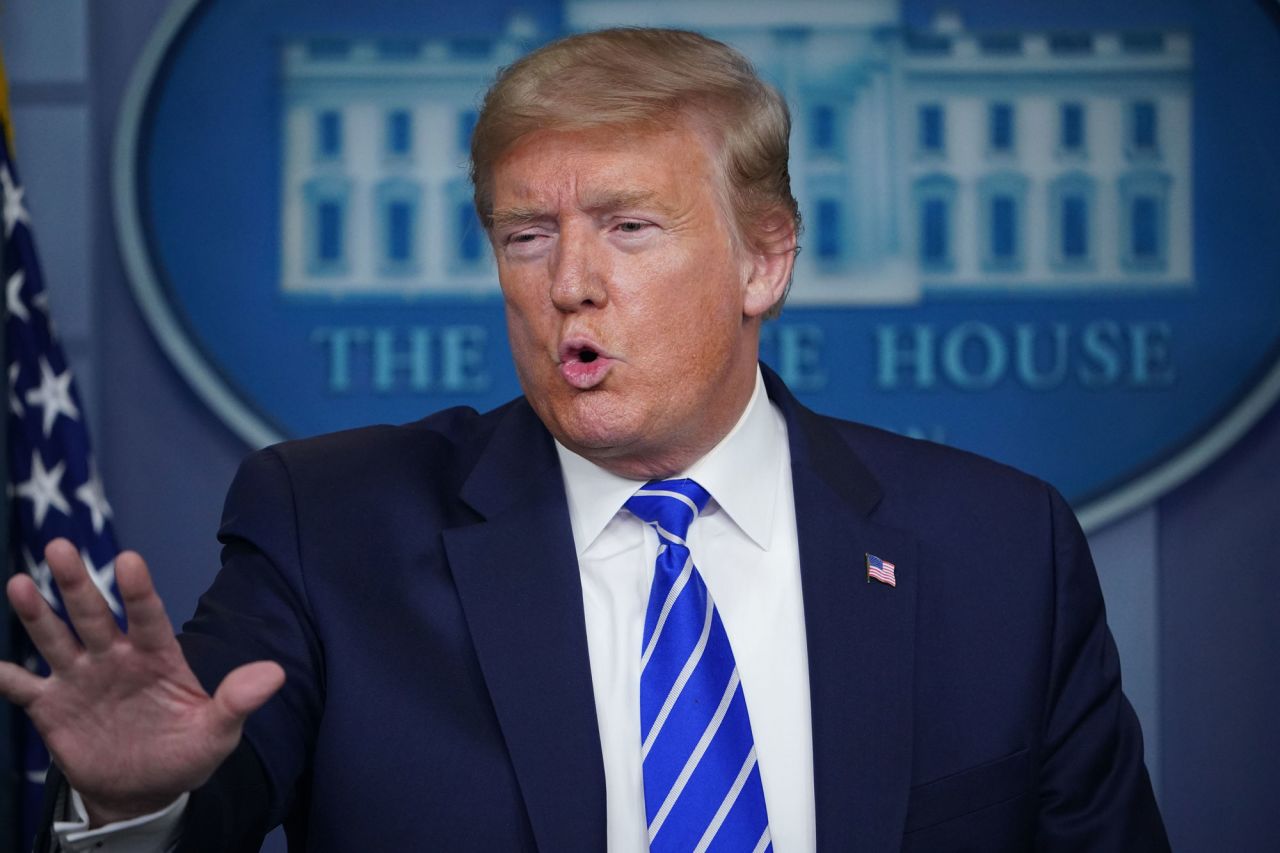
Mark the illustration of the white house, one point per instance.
(926, 162)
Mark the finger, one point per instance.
(48, 632)
(17, 685)
(245, 690)
(90, 615)
(149, 626)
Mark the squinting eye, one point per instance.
(631, 227)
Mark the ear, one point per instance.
(770, 260)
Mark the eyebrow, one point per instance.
(619, 199)
(511, 216)
(608, 200)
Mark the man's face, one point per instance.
(632, 310)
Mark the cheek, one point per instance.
(522, 332)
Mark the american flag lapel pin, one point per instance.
(881, 570)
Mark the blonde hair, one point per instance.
(641, 76)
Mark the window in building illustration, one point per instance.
(1075, 228)
(1000, 130)
(1071, 221)
(399, 232)
(935, 229)
(931, 136)
(1000, 44)
(823, 136)
(400, 49)
(829, 231)
(1071, 128)
(326, 206)
(397, 204)
(468, 244)
(1144, 225)
(1143, 128)
(1142, 42)
(928, 44)
(329, 135)
(1004, 228)
(329, 245)
(1144, 243)
(471, 243)
(1002, 199)
(934, 202)
(1071, 44)
(399, 134)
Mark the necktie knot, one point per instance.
(670, 506)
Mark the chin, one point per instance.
(597, 439)
(590, 423)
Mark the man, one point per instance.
(465, 633)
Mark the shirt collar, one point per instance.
(740, 473)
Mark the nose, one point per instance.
(579, 271)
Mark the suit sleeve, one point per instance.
(1095, 793)
(257, 609)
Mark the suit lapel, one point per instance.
(861, 639)
(517, 578)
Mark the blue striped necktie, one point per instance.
(701, 782)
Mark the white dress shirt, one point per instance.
(744, 545)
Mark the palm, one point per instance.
(122, 714)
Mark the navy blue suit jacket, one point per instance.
(420, 586)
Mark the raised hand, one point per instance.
(122, 714)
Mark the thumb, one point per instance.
(246, 689)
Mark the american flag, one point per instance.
(54, 488)
(881, 570)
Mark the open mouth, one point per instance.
(583, 366)
(581, 353)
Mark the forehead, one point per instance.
(605, 166)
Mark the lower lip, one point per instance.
(585, 375)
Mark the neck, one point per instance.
(672, 459)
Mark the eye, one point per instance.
(632, 226)
(522, 238)
(525, 243)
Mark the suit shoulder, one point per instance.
(445, 443)
(917, 475)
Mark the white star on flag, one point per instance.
(42, 576)
(15, 405)
(13, 297)
(103, 578)
(54, 394)
(92, 496)
(14, 212)
(41, 301)
(44, 488)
